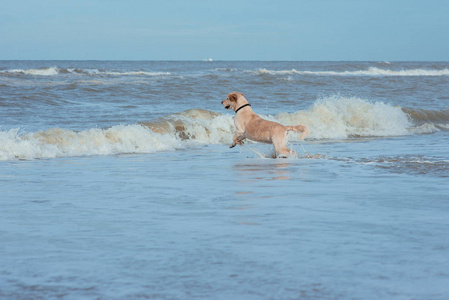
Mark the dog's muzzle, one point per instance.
(227, 106)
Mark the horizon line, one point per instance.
(221, 60)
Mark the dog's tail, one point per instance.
(299, 128)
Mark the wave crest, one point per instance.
(420, 116)
(339, 117)
(177, 131)
(334, 117)
(39, 72)
(59, 142)
(52, 71)
(372, 71)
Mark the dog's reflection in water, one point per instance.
(270, 171)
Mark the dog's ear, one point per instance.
(232, 97)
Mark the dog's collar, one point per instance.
(242, 107)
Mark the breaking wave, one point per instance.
(52, 71)
(333, 117)
(372, 71)
(39, 72)
(437, 118)
(341, 118)
(177, 131)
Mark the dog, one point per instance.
(250, 125)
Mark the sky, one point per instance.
(291, 30)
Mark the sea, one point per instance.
(117, 181)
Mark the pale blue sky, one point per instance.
(225, 29)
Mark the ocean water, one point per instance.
(117, 181)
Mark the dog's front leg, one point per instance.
(238, 139)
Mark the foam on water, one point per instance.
(372, 71)
(413, 164)
(40, 72)
(177, 131)
(339, 117)
(58, 142)
(135, 73)
(51, 71)
(334, 117)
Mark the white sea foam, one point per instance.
(59, 142)
(372, 71)
(40, 72)
(135, 73)
(334, 117)
(338, 117)
(93, 72)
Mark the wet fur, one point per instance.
(250, 125)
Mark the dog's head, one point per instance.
(233, 100)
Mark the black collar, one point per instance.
(242, 107)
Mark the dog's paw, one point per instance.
(233, 145)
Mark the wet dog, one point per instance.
(250, 125)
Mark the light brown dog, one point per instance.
(251, 126)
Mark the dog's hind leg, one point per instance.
(280, 144)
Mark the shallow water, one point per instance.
(104, 209)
